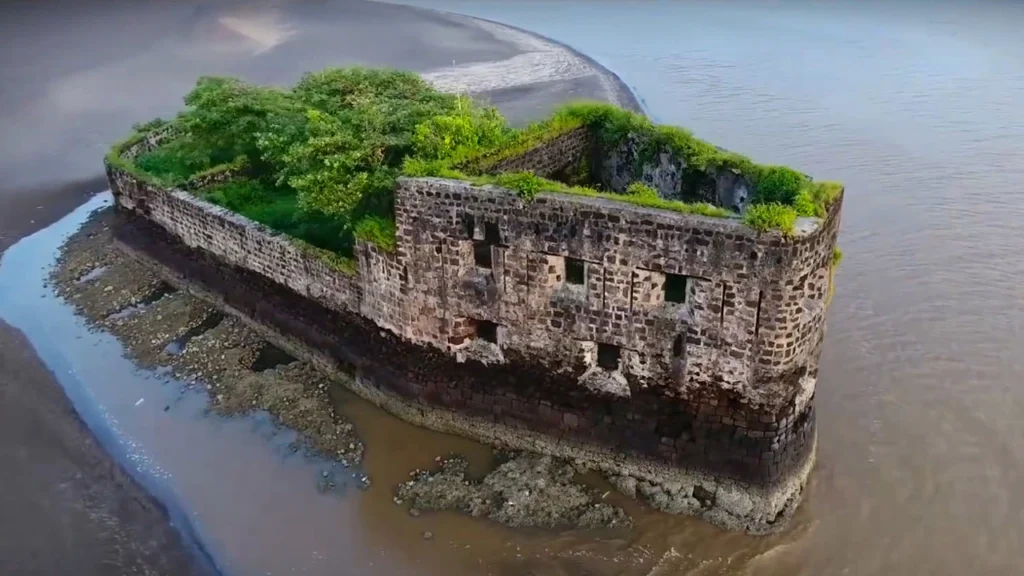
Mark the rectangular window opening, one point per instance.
(482, 255)
(470, 224)
(676, 288)
(575, 271)
(757, 314)
(721, 313)
(487, 331)
(608, 356)
(491, 234)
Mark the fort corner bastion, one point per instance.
(676, 353)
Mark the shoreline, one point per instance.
(626, 96)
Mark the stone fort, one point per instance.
(676, 353)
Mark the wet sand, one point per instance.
(81, 511)
(78, 511)
(74, 77)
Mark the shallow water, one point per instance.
(921, 415)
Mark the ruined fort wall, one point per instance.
(634, 160)
(238, 240)
(476, 316)
(720, 381)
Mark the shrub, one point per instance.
(526, 184)
(805, 205)
(377, 230)
(611, 123)
(823, 194)
(146, 127)
(512, 143)
(229, 118)
(176, 161)
(837, 256)
(778, 184)
(337, 91)
(471, 128)
(774, 216)
(238, 195)
(335, 167)
(641, 190)
(419, 168)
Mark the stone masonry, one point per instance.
(672, 349)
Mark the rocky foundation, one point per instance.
(526, 490)
(162, 327)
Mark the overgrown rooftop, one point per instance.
(319, 161)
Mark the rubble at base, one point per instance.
(526, 490)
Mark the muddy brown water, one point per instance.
(921, 411)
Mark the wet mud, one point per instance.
(526, 490)
(163, 328)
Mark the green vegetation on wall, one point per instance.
(319, 161)
(793, 193)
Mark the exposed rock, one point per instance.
(525, 491)
(162, 327)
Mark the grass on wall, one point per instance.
(772, 184)
(773, 216)
(527, 185)
(319, 161)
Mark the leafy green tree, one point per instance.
(231, 118)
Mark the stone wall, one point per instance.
(549, 159)
(687, 338)
(239, 241)
(659, 340)
(662, 169)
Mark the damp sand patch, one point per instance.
(162, 328)
(524, 491)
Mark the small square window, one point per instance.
(676, 288)
(575, 271)
(482, 255)
(487, 331)
(608, 356)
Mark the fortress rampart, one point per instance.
(677, 353)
